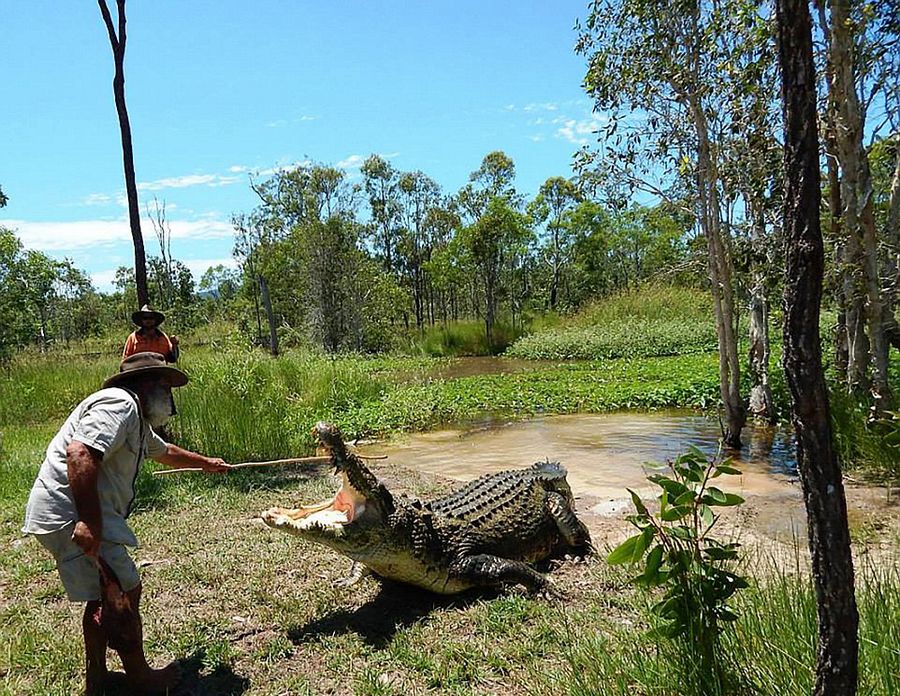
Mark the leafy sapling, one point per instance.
(680, 554)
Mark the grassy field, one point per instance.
(249, 610)
(651, 322)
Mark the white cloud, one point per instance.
(282, 122)
(98, 199)
(103, 280)
(545, 106)
(352, 162)
(533, 106)
(537, 137)
(199, 266)
(237, 168)
(82, 234)
(187, 181)
(577, 131)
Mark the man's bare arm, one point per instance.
(83, 466)
(179, 458)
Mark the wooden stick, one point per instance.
(296, 460)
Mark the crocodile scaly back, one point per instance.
(493, 492)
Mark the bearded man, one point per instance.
(82, 497)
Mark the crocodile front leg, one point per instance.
(484, 570)
(571, 529)
(357, 572)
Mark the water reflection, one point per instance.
(604, 453)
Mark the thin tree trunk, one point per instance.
(720, 281)
(891, 275)
(820, 473)
(134, 212)
(856, 192)
(761, 402)
(839, 280)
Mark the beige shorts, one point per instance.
(78, 573)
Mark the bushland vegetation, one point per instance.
(330, 270)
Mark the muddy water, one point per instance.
(604, 454)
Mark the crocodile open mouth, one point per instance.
(346, 506)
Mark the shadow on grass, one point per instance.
(395, 607)
(222, 681)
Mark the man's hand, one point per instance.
(214, 465)
(174, 341)
(87, 539)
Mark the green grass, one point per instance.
(245, 405)
(771, 648)
(460, 338)
(253, 611)
(586, 387)
(648, 322)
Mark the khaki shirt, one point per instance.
(109, 421)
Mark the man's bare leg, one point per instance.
(94, 649)
(126, 637)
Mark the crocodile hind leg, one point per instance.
(484, 570)
(572, 530)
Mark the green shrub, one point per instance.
(680, 555)
(460, 338)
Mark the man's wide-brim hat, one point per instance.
(146, 313)
(142, 365)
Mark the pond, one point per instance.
(604, 453)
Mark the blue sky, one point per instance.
(219, 89)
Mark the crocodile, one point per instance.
(487, 533)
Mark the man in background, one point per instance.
(148, 338)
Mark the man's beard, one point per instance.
(159, 407)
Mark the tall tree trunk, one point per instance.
(839, 282)
(489, 307)
(134, 212)
(761, 402)
(820, 474)
(856, 192)
(891, 239)
(720, 281)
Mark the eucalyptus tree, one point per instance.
(417, 194)
(380, 181)
(495, 177)
(751, 154)
(440, 224)
(820, 473)
(117, 42)
(3, 199)
(885, 159)
(485, 200)
(653, 68)
(12, 300)
(851, 68)
(498, 232)
(555, 199)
